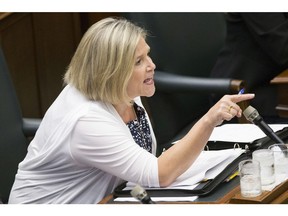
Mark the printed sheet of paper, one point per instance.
(241, 133)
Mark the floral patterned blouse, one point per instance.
(140, 130)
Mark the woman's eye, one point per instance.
(138, 61)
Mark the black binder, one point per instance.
(206, 188)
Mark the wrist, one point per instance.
(208, 122)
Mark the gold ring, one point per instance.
(229, 109)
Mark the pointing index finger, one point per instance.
(242, 97)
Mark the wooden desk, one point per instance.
(278, 196)
(282, 85)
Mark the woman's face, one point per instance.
(142, 83)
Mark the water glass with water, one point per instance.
(250, 181)
(280, 152)
(266, 160)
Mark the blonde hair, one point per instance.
(103, 62)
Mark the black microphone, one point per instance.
(140, 194)
(252, 115)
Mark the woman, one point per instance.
(97, 133)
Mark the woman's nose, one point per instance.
(151, 65)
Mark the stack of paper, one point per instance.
(207, 166)
(241, 133)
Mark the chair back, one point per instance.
(13, 143)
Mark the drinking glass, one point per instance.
(250, 181)
(266, 160)
(280, 152)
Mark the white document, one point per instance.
(159, 199)
(241, 133)
(207, 166)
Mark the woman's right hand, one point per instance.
(226, 108)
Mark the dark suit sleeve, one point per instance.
(270, 30)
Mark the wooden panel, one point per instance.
(38, 48)
(282, 85)
(281, 78)
(16, 37)
(88, 19)
(56, 38)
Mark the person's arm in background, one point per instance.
(270, 31)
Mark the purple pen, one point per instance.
(241, 91)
